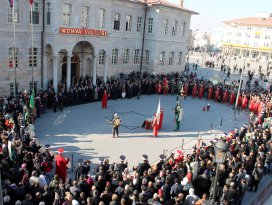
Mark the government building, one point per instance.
(249, 37)
(98, 38)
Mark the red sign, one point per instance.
(82, 31)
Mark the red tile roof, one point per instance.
(254, 21)
(166, 3)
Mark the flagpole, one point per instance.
(32, 59)
(14, 49)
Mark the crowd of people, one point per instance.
(27, 171)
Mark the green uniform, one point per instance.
(177, 116)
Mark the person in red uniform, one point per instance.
(210, 92)
(256, 106)
(239, 103)
(155, 125)
(165, 86)
(251, 104)
(158, 87)
(180, 157)
(225, 96)
(194, 91)
(161, 119)
(186, 89)
(217, 94)
(201, 91)
(244, 102)
(61, 165)
(105, 100)
(232, 98)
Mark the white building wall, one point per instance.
(155, 42)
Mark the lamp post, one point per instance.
(240, 83)
(220, 149)
(188, 46)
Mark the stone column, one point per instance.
(45, 75)
(68, 78)
(106, 67)
(94, 69)
(55, 72)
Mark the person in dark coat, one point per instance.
(144, 166)
(55, 102)
(80, 170)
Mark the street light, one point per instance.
(220, 149)
(188, 46)
(240, 83)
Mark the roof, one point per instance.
(165, 3)
(256, 21)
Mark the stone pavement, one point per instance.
(84, 132)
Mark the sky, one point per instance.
(213, 12)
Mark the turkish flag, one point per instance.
(31, 2)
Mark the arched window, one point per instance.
(33, 57)
(101, 18)
(162, 57)
(101, 57)
(13, 57)
(16, 12)
(116, 22)
(171, 58)
(114, 59)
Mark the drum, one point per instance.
(148, 124)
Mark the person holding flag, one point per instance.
(178, 115)
(156, 121)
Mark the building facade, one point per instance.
(89, 37)
(249, 37)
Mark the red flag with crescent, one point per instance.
(31, 2)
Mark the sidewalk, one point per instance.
(259, 197)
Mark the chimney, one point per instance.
(181, 3)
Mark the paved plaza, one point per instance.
(84, 132)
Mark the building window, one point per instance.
(255, 44)
(150, 25)
(257, 36)
(162, 58)
(16, 12)
(48, 13)
(136, 56)
(139, 24)
(13, 57)
(116, 22)
(147, 57)
(101, 57)
(101, 18)
(267, 37)
(114, 59)
(165, 26)
(35, 13)
(128, 23)
(171, 58)
(31, 87)
(84, 16)
(33, 58)
(13, 91)
(183, 27)
(126, 56)
(174, 28)
(180, 58)
(66, 15)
